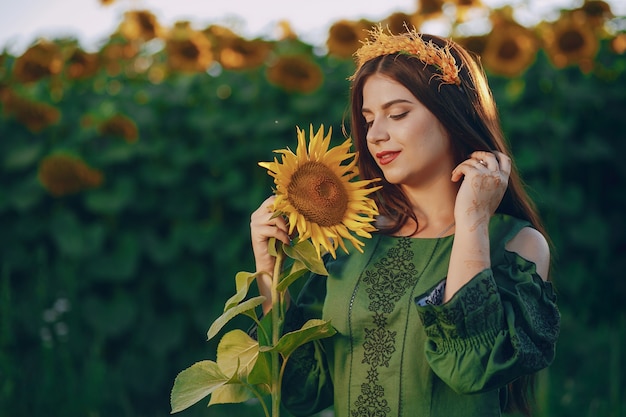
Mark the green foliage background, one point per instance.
(107, 294)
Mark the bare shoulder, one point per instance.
(530, 244)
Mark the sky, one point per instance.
(23, 21)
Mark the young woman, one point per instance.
(449, 311)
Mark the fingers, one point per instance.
(264, 224)
(483, 161)
(487, 160)
(505, 163)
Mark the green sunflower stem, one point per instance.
(277, 321)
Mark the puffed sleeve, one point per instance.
(307, 387)
(501, 325)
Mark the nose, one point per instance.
(377, 132)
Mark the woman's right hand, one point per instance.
(264, 226)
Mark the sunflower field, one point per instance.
(128, 176)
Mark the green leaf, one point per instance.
(261, 374)
(233, 312)
(113, 198)
(304, 251)
(237, 352)
(289, 279)
(22, 156)
(242, 284)
(264, 330)
(231, 393)
(271, 246)
(313, 329)
(195, 383)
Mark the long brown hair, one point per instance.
(469, 115)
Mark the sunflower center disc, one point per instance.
(318, 194)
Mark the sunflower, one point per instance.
(117, 53)
(240, 53)
(315, 192)
(121, 126)
(510, 49)
(430, 8)
(345, 37)
(295, 73)
(41, 60)
(597, 12)
(188, 50)
(474, 43)
(140, 24)
(64, 174)
(35, 115)
(81, 64)
(571, 40)
(398, 22)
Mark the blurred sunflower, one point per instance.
(398, 22)
(81, 64)
(218, 34)
(117, 53)
(35, 115)
(430, 8)
(295, 73)
(510, 49)
(120, 125)
(240, 53)
(188, 50)
(39, 61)
(63, 174)
(140, 25)
(571, 40)
(596, 11)
(315, 192)
(467, 3)
(475, 44)
(345, 37)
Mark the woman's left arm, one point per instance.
(494, 323)
(485, 177)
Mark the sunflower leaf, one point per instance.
(313, 329)
(242, 283)
(304, 251)
(237, 353)
(229, 314)
(261, 374)
(231, 393)
(289, 279)
(271, 246)
(194, 383)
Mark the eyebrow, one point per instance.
(387, 105)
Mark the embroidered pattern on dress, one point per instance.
(386, 282)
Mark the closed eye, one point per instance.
(398, 116)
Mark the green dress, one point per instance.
(396, 355)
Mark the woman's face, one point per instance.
(405, 139)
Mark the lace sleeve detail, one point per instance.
(435, 297)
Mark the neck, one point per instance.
(433, 207)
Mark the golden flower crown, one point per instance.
(410, 43)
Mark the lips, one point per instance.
(386, 157)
